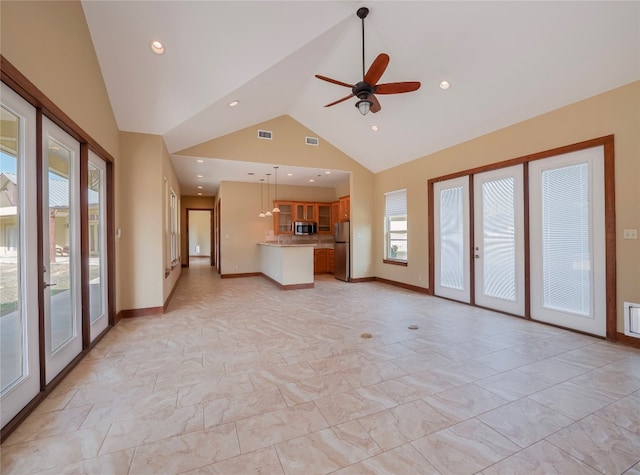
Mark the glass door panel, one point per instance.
(19, 363)
(451, 239)
(61, 248)
(568, 241)
(498, 240)
(97, 245)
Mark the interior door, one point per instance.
(499, 240)
(568, 286)
(61, 248)
(19, 356)
(451, 239)
(98, 268)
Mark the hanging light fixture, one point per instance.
(261, 215)
(268, 213)
(275, 199)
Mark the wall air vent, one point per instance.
(312, 141)
(265, 134)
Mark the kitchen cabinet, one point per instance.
(330, 260)
(283, 221)
(324, 218)
(305, 212)
(320, 261)
(345, 208)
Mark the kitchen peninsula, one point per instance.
(289, 265)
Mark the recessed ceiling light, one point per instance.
(374, 128)
(157, 47)
(233, 103)
(200, 161)
(327, 173)
(311, 180)
(444, 85)
(200, 176)
(289, 174)
(199, 187)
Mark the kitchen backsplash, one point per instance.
(293, 239)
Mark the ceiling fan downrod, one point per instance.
(362, 14)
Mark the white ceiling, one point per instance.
(506, 62)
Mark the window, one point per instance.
(173, 203)
(396, 226)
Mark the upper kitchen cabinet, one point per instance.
(324, 218)
(283, 221)
(305, 212)
(345, 208)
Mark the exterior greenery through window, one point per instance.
(396, 225)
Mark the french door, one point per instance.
(568, 286)
(499, 239)
(451, 238)
(20, 366)
(483, 262)
(60, 248)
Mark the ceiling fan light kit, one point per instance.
(366, 89)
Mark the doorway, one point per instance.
(200, 235)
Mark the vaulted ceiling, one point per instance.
(506, 62)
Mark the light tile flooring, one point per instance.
(240, 377)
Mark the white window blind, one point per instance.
(396, 203)
(566, 239)
(396, 225)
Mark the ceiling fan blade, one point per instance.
(397, 87)
(376, 70)
(340, 100)
(375, 105)
(334, 81)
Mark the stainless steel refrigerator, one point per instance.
(341, 234)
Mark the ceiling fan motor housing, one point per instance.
(363, 90)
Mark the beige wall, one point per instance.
(615, 112)
(288, 148)
(49, 42)
(143, 222)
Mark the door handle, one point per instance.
(49, 285)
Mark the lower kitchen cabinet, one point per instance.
(330, 261)
(323, 261)
(320, 261)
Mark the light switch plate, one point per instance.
(630, 234)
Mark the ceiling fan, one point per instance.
(366, 89)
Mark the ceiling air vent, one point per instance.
(265, 134)
(312, 141)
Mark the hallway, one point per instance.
(240, 377)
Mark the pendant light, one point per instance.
(275, 199)
(261, 215)
(268, 213)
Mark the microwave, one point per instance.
(303, 228)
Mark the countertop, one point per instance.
(297, 244)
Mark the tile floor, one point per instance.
(240, 377)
